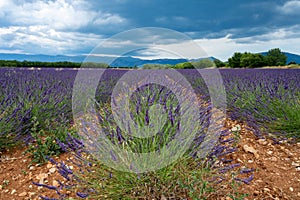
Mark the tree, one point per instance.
(219, 63)
(252, 60)
(184, 65)
(275, 57)
(235, 60)
(205, 63)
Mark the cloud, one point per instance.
(273, 34)
(76, 26)
(223, 48)
(56, 14)
(41, 39)
(290, 8)
(54, 27)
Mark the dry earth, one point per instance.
(276, 175)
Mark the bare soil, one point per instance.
(276, 175)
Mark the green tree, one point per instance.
(235, 60)
(184, 65)
(252, 60)
(275, 57)
(219, 63)
(205, 63)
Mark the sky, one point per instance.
(220, 28)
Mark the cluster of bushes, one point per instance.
(205, 63)
(274, 57)
(37, 64)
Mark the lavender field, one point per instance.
(36, 111)
(267, 99)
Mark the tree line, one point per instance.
(63, 64)
(274, 57)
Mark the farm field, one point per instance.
(256, 156)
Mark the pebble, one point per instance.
(41, 177)
(52, 170)
(274, 159)
(291, 189)
(49, 165)
(267, 190)
(270, 152)
(23, 194)
(13, 191)
(30, 194)
(55, 183)
(262, 142)
(31, 168)
(250, 150)
(30, 186)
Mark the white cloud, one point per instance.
(109, 19)
(290, 7)
(57, 14)
(223, 48)
(41, 39)
(16, 51)
(52, 27)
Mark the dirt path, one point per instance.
(277, 168)
(276, 175)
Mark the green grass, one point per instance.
(180, 180)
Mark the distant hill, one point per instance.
(40, 57)
(130, 62)
(290, 57)
(126, 61)
(198, 59)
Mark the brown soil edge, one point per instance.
(276, 175)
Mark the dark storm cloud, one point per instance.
(69, 26)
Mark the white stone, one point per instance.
(52, 170)
(23, 194)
